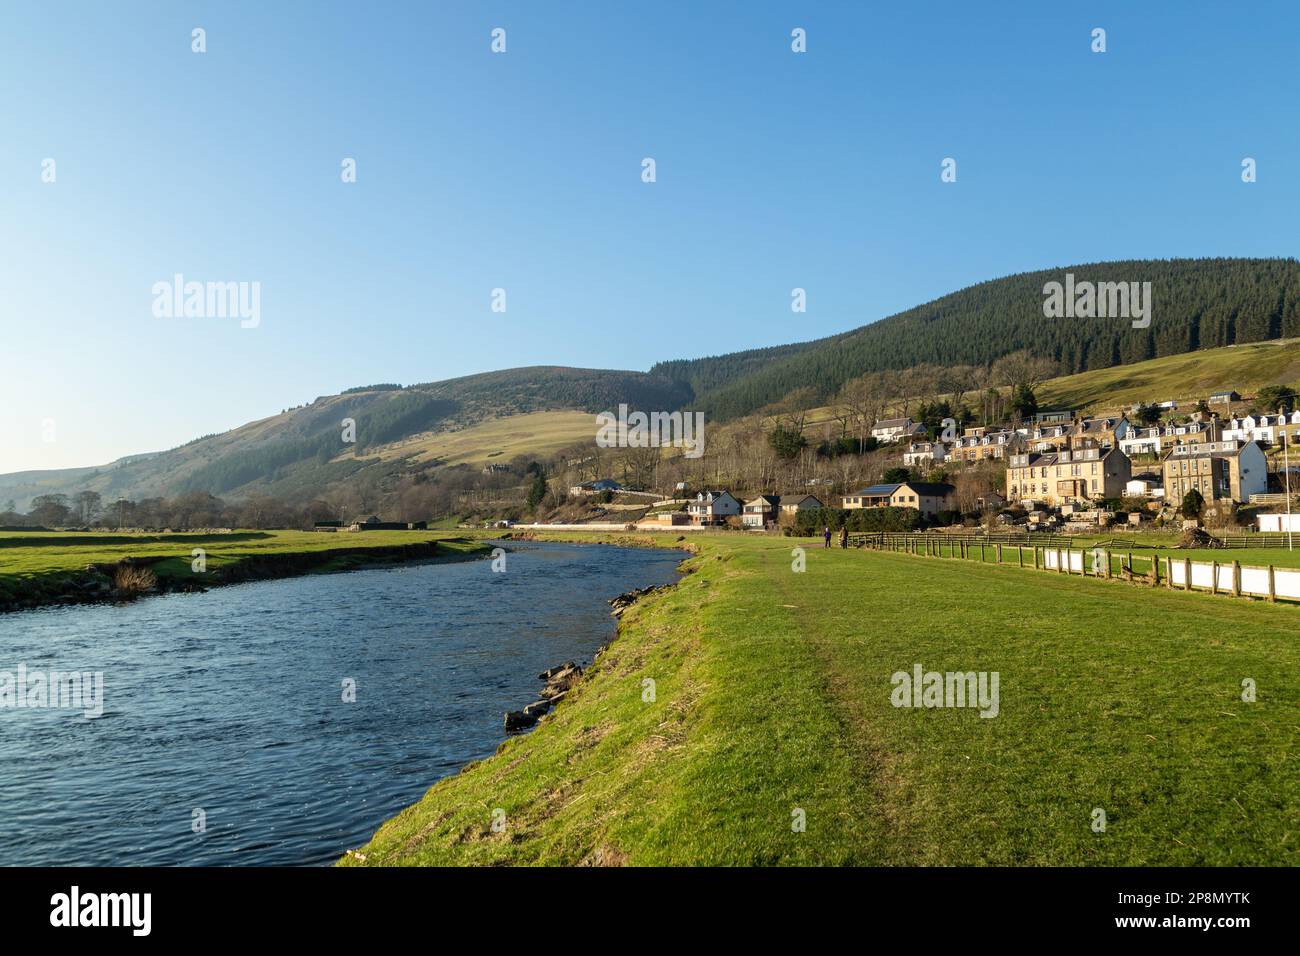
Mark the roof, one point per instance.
(1213, 449)
(934, 489)
(765, 499)
(796, 499)
(893, 423)
(876, 491)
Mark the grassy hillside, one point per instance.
(1192, 376)
(1182, 378)
(772, 694)
(500, 439)
(1197, 303)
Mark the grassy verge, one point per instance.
(772, 695)
(38, 569)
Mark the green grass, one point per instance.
(35, 564)
(773, 693)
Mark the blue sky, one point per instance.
(522, 171)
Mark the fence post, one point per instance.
(1272, 587)
(1187, 574)
(1236, 578)
(1035, 557)
(1020, 555)
(999, 553)
(1106, 554)
(1214, 577)
(1169, 572)
(1060, 567)
(981, 551)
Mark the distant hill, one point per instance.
(1198, 304)
(300, 452)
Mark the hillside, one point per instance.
(1234, 305)
(1183, 378)
(301, 453)
(1197, 304)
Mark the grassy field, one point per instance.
(772, 696)
(37, 563)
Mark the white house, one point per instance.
(1142, 441)
(1265, 428)
(760, 511)
(924, 453)
(892, 429)
(712, 507)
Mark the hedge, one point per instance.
(811, 521)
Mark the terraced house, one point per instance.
(979, 444)
(1072, 474)
(1221, 470)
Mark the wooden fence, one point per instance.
(1176, 572)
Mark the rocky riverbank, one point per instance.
(563, 677)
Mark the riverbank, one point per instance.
(746, 717)
(43, 570)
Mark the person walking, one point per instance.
(844, 536)
(826, 536)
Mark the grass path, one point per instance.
(772, 694)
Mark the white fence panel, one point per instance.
(1177, 573)
(1254, 581)
(1202, 575)
(1225, 577)
(1287, 583)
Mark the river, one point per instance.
(225, 738)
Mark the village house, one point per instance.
(924, 453)
(893, 429)
(983, 444)
(1220, 471)
(792, 503)
(712, 507)
(1044, 438)
(1142, 441)
(929, 498)
(1073, 474)
(1106, 432)
(760, 512)
(1054, 417)
(1224, 398)
(595, 487)
(1264, 428)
